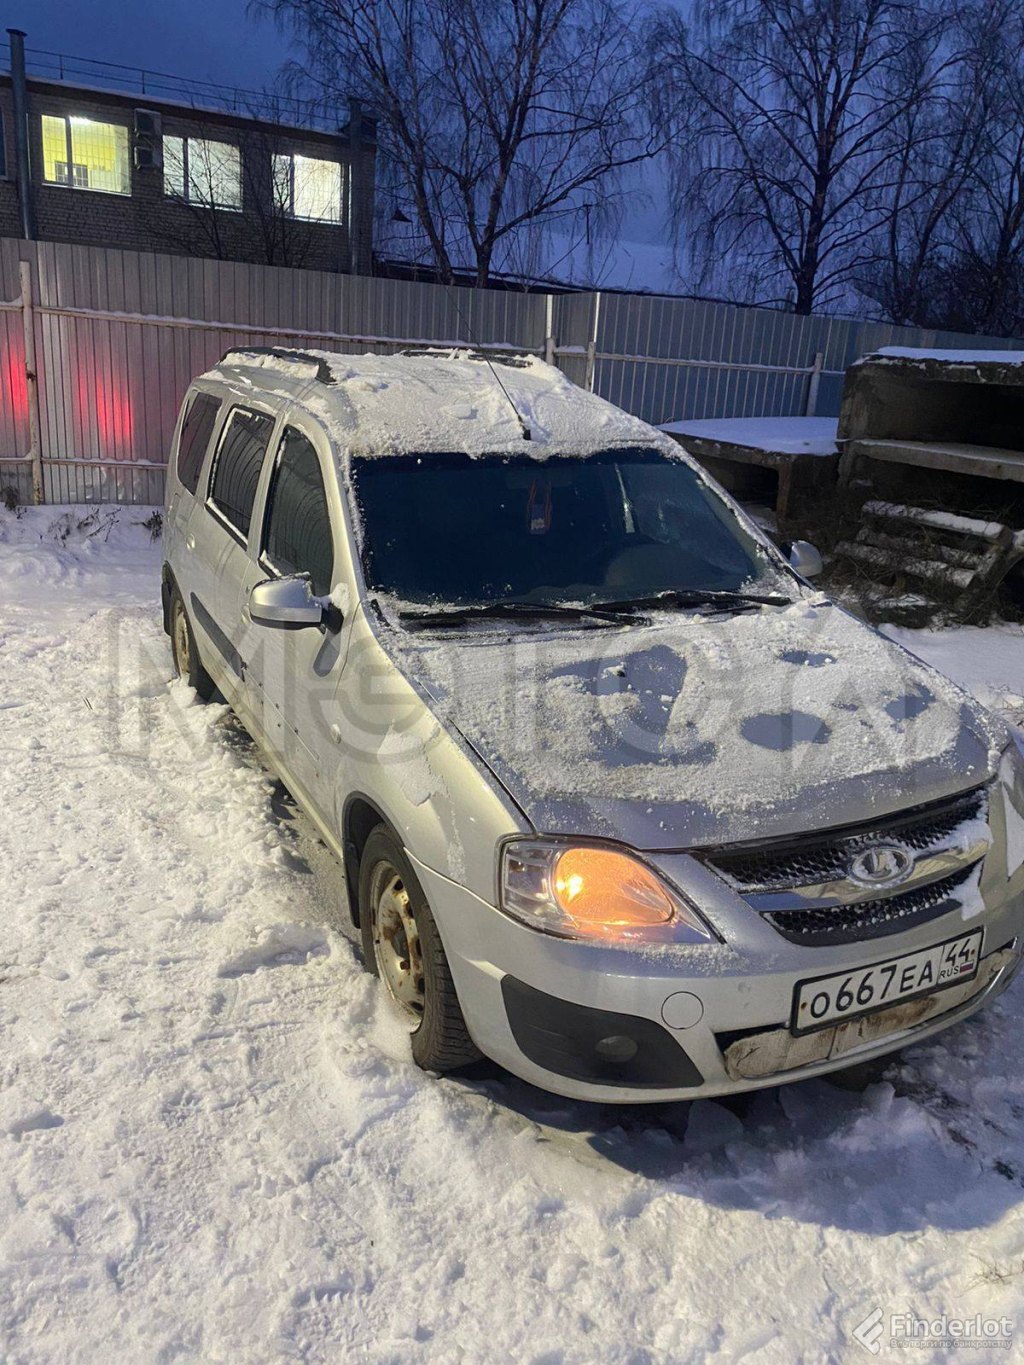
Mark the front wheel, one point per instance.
(184, 653)
(402, 946)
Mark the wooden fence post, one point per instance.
(592, 345)
(813, 384)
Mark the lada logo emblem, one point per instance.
(881, 865)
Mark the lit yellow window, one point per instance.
(86, 155)
(306, 187)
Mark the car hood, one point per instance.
(702, 729)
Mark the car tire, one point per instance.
(402, 947)
(185, 654)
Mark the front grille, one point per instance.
(818, 859)
(870, 919)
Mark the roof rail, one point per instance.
(303, 364)
(494, 354)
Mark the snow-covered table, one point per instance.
(801, 450)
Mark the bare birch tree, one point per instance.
(493, 114)
(785, 118)
(981, 287)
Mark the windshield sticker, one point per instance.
(538, 512)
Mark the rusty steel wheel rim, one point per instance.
(396, 943)
(182, 649)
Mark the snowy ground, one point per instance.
(213, 1147)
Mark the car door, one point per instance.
(292, 675)
(218, 538)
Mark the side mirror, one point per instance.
(286, 603)
(805, 558)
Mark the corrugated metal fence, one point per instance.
(118, 335)
(670, 359)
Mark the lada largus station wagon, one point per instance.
(622, 802)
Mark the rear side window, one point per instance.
(297, 535)
(236, 470)
(196, 431)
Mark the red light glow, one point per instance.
(111, 409)
(13, 384)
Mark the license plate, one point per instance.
(825, 999)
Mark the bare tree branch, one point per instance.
(784, 118)
(493, 115)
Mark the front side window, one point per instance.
(621, 524)
(305, 187)
(85, 154)
(203, 171)
(196, 431)
(297, 535)
(236, 470)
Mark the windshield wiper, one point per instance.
(696, 597)
(457, 616)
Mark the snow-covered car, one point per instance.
(621, 801)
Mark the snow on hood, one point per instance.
(698, 730)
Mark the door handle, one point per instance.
(190, 542)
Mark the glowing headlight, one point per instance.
(592, 891)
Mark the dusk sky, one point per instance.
(204, 39)
(219, 40)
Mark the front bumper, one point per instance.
(706, 1020)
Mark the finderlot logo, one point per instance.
(907, 1329)
(870, 1332)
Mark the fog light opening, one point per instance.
(617, 1048)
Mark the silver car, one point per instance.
(621, 801)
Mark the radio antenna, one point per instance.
(523, 424)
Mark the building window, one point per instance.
(305, 187)
(85, 155)
(203, 171)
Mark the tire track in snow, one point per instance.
(248, 1168)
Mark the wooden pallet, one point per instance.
(960, 557)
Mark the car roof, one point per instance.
(436, 401)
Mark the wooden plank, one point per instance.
(939, 521)
(932, 571)
(702, 446)
(988, 462)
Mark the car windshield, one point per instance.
(615, 526)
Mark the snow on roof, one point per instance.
(449, 401)
(300, 365)
(964, 357)
(780, 435)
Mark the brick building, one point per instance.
(115, 168)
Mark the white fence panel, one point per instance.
(119, 335)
